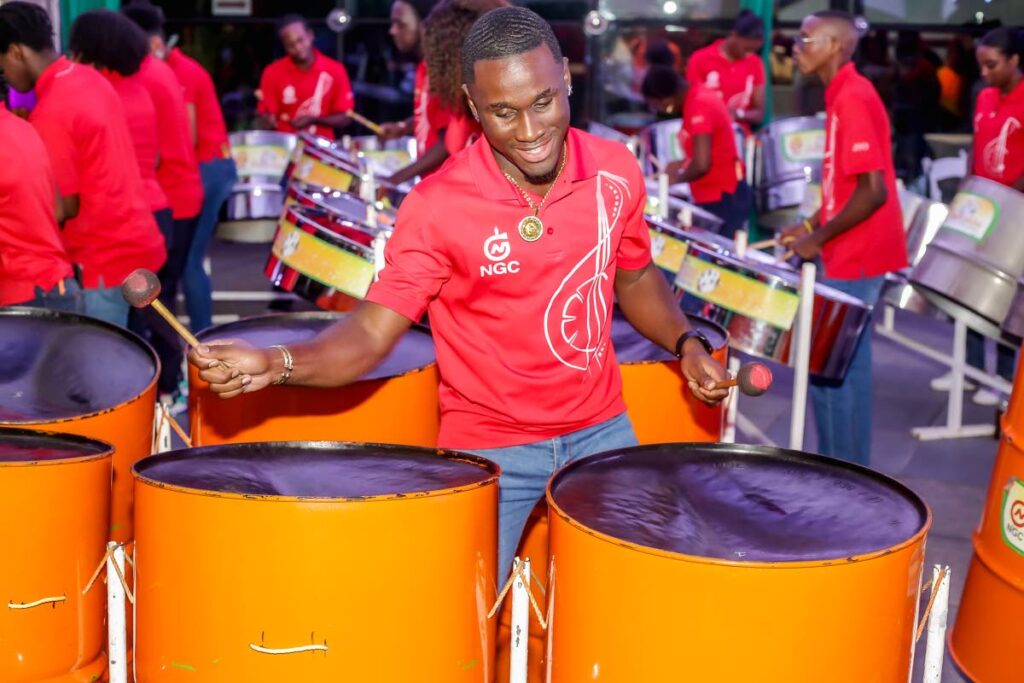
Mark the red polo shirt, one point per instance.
(734, 81)
(999, 135)
(197, 86)
(140, 114)
(462, 131)
(705, 114)
(521, 328)
(429, 117)
(857, 141)
(82, 124)
(178, 170)
(31, 252)
(286, 91)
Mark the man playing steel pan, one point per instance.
(517, 248)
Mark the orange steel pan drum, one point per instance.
(315, 562)
(658, 399)
(719, 562)
(394, 403)
(988, 630)
(70, 373)
(55, 505)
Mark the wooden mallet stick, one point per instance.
(763, 244)
(141, 289)
(359, 118)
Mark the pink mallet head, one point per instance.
(140, 288)
(754, 379)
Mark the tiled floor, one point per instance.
(951, 475)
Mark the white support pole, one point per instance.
(163, 431)
(663, 208)
(802, 349)
(368, 187)
(379, 242)
(731, 406)
(117, 643)
(935, 649)
(520, 632)
(741, 244)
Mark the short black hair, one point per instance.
(506, 32)
(660, 82)
(289, 19)
(23, 23)
(108, 40)
(1009, 41)
(421, 7)
(659, 52)
(749, 25)
(146, 16)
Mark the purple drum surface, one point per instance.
(19, 445)
(414, 350)
(56, 365)
(315, 469)
(740, 503)
(633, 347)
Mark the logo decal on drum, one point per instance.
(497, 248)
(708, 281)
(290, 245)
(1013, 515)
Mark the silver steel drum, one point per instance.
(1013, 326)
(322, 256)
(970, 269)
(321, 162)
(788, 179)
(609, 133)
(681, 212)
(261, 158)
(922, 219)
(670, 240)
(757, 301)
(382, 158)
(342, 204)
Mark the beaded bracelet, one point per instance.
(288, 363)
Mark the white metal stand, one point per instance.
(663, 197)
(520, 631)
(936, 646)
(732, 404)
(801, 368)
(117, 642)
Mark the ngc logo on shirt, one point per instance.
(497, 249)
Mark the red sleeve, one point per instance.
(416, 263)
(697, 119)
(635, 248)
(757, 67)
(270, 94)
(61, 149)
(858, 147)
(344, 100)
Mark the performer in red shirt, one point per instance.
(517, 248)
(304, 90)
(109, 230)
(35, 269)
(732, 68)
(712, 166)
(859, 230)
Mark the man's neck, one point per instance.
(1012, 84)
(827, 72)
(723, 49)
(307, 65)
(40, 63)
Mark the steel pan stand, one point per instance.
(801, 368)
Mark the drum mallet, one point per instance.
(141, 289)
(753, 379)
(359, 118)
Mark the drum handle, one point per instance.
(287, 650)
(36, 603)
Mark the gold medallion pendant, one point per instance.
(531, 228)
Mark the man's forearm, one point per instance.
(430, 160)
(649, 305)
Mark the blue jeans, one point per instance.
(842, 410)
(106, 303)
(733, 208)
(219, 176)
(526, 470)
(70, 301)
(1006, 356)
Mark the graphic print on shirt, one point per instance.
(994, 154)
(741, 100)
(828, 176)
(422, 123)
(497, 249)
(577, 314)
(314, 105)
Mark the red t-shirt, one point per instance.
(178, 170)
(81, 121)
(31, 252)
(429, 117)
(734, 81)
(140, 115)
(999, 135)
(857, 141)
(462, 131)
(521, 328)
(705, 114)
(286, 91)
(197, 86)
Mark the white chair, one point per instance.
(942, 169)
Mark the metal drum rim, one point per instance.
(492, 469)
(26, 311)
(742, 449)
(330, 236)
(106, 453)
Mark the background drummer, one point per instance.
(108, 228)
(858, 233)
(520, 317)
(304, 90)
(732, 67)
(712, 165)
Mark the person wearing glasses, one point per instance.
(858, 232)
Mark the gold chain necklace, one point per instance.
(531, 228)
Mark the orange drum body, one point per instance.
(395, 403)
(988, 622)
(55, 503)
(78, 375)
(315, 562)
(658, 400)
(717, 562)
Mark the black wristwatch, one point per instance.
(693, 334)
